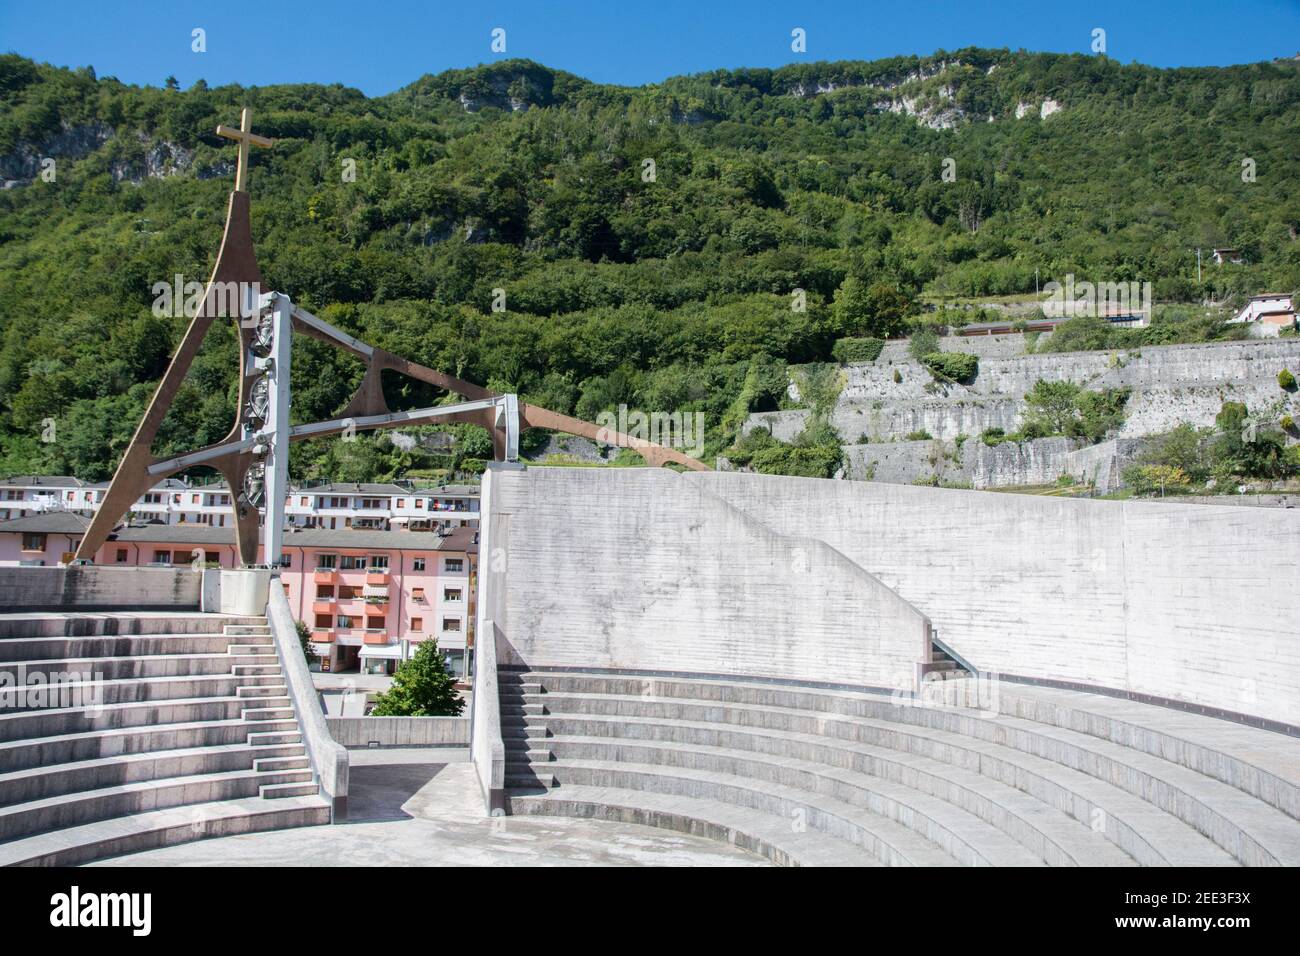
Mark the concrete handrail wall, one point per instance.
(639, 569)
(486, 747)
(399, 731)
(103, 588)
(328, 758)
(487, 750)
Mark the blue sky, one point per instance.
(380, 45)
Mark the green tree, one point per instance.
(304, 639)
(422, 687)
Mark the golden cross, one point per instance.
(244, 136)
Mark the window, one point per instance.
(379, 562)
(418, 564)
(348, 592)
(326, 562)
(162, 557)
(303, 501)
(121, 555)
(451, 594)
(375, 623)
(352, 562)
(401, 502)
(451, 624)
(417, 624)
(453, 565)
(419, 503)
(33, 542)
(344, 620)
(211, 557)
(324, 621)
(417, 595)
(325, 591)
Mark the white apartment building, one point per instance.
(383, 507)
(396, 506)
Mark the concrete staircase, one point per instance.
(162, 729)
(809, 776)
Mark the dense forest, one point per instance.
(649, 241)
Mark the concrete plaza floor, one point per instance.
(423, 808)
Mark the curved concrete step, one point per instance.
(1261, 763)
(888, 841)
(1250, 831)
(1253, 832)
(38, 783)
(157, 828)
(1141, 830)
(15, 649)
(113, 741)
(130, 690)
(1051, 835)
(74, 720)
(149, 665)
(88, 806)
(765, 835)
(106, 623)
(963, 836)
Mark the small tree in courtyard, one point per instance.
(422, 687)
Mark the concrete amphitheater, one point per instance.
(707, 669)
(842, 673)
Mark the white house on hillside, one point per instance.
(1267, 314)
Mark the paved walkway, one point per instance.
(413, 808)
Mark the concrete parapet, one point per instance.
(89, 586)
(329, 759)
(399, 731)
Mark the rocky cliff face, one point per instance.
(71, 142)
(138, 156)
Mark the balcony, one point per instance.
(375, 635)
(323, 606)
(376, 575)
(322, 636)
(325, 576)
(378, 606)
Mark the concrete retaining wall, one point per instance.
(1189, 602)
(1010, 464)
(1170, 384)
(367, 732)
(99, 588)
(638, 569)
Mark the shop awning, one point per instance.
(389, 651)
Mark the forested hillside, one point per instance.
(665, 288)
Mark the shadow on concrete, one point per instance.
(377, 792)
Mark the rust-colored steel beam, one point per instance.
(236, 268)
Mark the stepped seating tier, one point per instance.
(806, 775)
(160, 729)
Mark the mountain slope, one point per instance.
(664, 287)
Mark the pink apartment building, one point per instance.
(368, 596)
